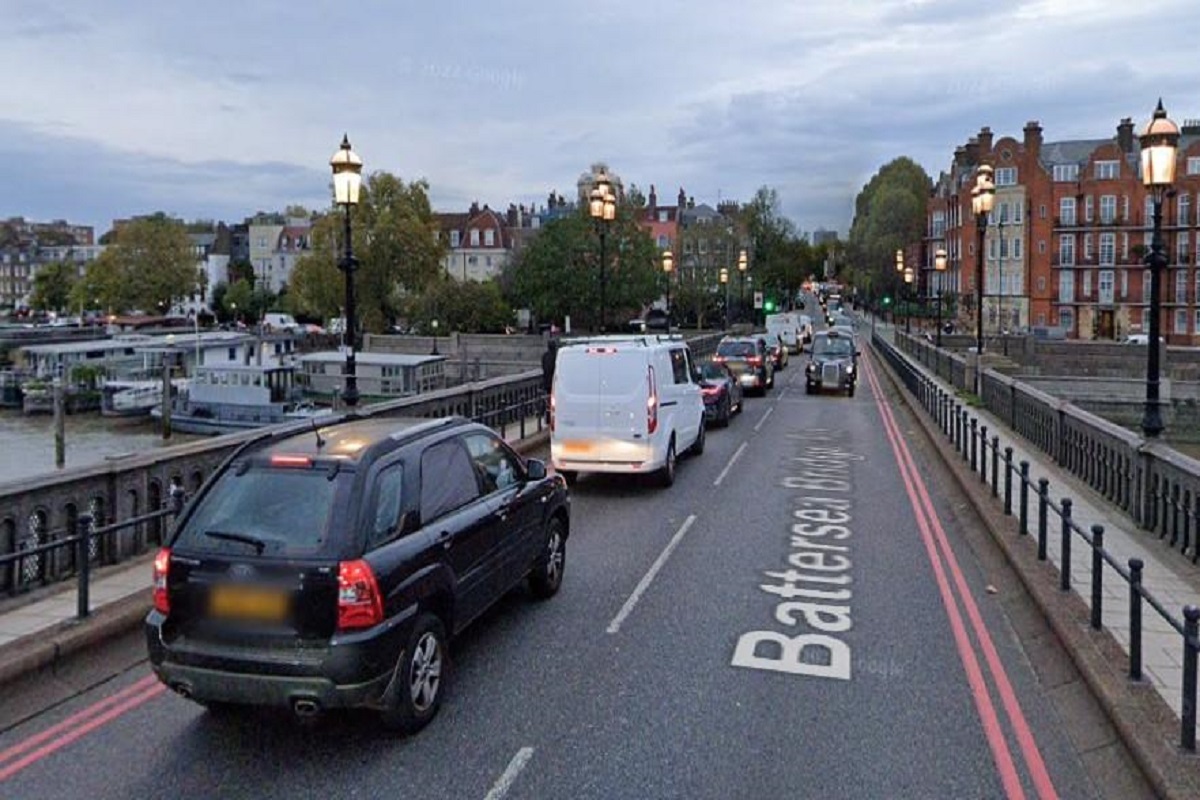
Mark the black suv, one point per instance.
(327, 569)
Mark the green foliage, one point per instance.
(558, 273)
(52, 287)
(149, 266)
(470, 307)
(397, 246)
(241, 270)
(889, 215)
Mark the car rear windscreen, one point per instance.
(736, 349)
(268, 511)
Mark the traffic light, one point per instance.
(887, 300)
(769, 306)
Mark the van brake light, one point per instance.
(651, 402)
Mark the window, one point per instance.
(496, 466)
(1066, 210)
(1066, 286)
(1124, 284)
(662, 241)
(1148, 216)
(1198, 288)
(1108, 208)
(1181, 247)
(1087, 283)
(489, 238)
(1183, 208)
(1017, 210)
(702, 246)
(474, 237)
(1088, 208)
(1181, 286)
(663, 215)
(1016, 247)
(1042, 211)
(1108, 249)
(1181, 320)
(1196, 322)
(1006, 176)
(1041, 246)
(679, 366)
(455, 237)
(991, 248)
(1107, 170)
(447, 480)
(1124, 246)
(1087, 248)
(1193, 165)
(1066, 320)
(1146, 286)
(1064, 173)
(388, 497)
(1106, 285)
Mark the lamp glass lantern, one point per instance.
(1160, 142)
(347, 174)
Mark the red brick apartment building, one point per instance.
(1066, 238)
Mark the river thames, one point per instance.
(27, 442)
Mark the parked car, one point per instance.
(832, 363)
(748, 359)
(329, 568)
(625, 404)
(722, 392)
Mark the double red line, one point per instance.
(950, 577)
(36, 747)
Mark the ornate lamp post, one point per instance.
(743, 265)
(982, 197)
(602, 208)
(668, 266)
(725, 285)
(347, 181)
(908, 295)
(1159, 142)
(899, 281)
(939, 267)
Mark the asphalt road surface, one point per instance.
(794, 618)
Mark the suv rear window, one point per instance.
(280, 511)
(736, 349)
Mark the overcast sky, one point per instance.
(218, 109)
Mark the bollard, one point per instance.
(1043, 508)
(983, 445)
(1191, 629)
(60, 424)
(1023, 526)
(1008, 481)
(1064, 575)
(974, 443)
(1135, 619)
(83, 564)
(966, 444)
(995, 466)
(1097, 575)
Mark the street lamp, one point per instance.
(434, 324)
(982, 196)
(668, 264)
(908, 293)
(1159, 141)
(347, 181)
(900, 276)
(602, 207)
(725, 284)
(743, 265)
(939, 266)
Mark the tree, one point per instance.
(52, 287)
(468, 307)
(558, 273)
(889, 214)
(396, 243)
(148, 267)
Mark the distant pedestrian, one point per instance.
(548, 359)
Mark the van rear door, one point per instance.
(600, 392)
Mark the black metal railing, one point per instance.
(1105, 470)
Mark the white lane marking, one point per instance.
(764, 418)
(505, 781)
(732, 460)
(644, 584)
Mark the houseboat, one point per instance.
(380, 376)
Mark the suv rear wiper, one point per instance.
(243, 538)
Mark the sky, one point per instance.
(221, 109)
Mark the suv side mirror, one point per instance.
(535, 469)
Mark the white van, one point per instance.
(787, 327)
(280, 322)
(626, 404)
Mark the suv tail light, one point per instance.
(162, 565)
(359, 602)
(651, 403)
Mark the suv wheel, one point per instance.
(666, 474)
(547, 573)
(420, 678)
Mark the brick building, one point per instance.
(1065, 243)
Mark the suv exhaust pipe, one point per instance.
(305, 708)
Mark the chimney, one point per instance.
(653, 200)
(960, 157)
(691, 202)
(985, 141)
(972, 152)
(511, 216)
(1125, 135)
(1033, 139)
(474, 209)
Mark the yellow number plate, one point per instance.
(577, 448)
(246, 602)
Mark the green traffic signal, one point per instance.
(769, 306)
(887, 301)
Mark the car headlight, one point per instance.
(850, 368)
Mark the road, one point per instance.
(794, 618)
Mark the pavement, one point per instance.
(1147, 713)
(40, 631)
